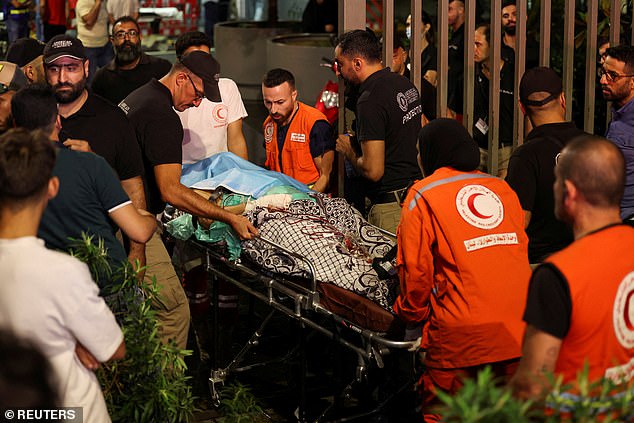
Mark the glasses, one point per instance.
(610, 76)
(199, 95)
(120, 35)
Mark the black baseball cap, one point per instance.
(63, 46)
(24, 50)
(11, 77)
(540, 79)
(204, 66)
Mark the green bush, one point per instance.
(149, 385)
(483, 400)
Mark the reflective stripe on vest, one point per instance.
(419, 193)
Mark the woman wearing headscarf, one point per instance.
(463, 264)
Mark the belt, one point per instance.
(396, 196)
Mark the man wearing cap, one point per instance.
(531, 167)
(27, 54)
(11, 79)
(90, 123)
(211, 127)
(159, 132)
(131, 67)
(617, 86)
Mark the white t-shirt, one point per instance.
(205, 126)
(50, 298)
(97, 36)
(119, 8)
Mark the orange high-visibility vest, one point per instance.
(297, 162)
(599, 269)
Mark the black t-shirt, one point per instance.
(389, 109)
(115, 84)
(532, 53)
(455, 75)
(109, 134)
(159, 132)
(428, 60)
(531, 175)
(481, 106)
(548, 304)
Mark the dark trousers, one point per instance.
(214, 13)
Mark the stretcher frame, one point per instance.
(304, 309)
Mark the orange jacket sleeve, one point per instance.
(416, 238)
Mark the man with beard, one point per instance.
(11, 80)
(617, 86)
(509, 20)
(90, 123)
(298, 138)
(455, 58)
(389, 116)
(130, 68)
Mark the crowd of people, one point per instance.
(527, 271)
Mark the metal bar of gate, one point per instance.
(615, 33)
(520, 65)
(591, 60)
(349, 19)
(495, 53)
(416, 43)
(569, 53)
(469, 68)
(443, 66)
(544, 33)
(388, 32)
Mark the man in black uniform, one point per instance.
(159, 133)
(131, 67)
(388, 121)
(455, 58)
(484, 70)
(531, 168)
(90, 123)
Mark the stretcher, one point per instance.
(355, 322)
(304, 304)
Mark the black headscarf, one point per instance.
(445, 142)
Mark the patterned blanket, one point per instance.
(328, 231)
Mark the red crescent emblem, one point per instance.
(471, 205)
(221, 114)
(626, 312)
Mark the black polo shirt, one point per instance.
(531, 174)
(114, 84)
(159, 132)
(481, 107)
(455, 74)
(109, 134)
(389, 109)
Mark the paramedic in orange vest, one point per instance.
(298, 139)
(463, 264)
(580, 302)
